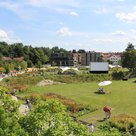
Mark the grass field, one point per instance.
(122, 97)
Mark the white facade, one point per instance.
(115, 59)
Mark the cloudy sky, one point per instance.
(99, 25)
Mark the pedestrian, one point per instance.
(29, 105)
(27, 101)
(91, 128)
(13, 92)
(107, 111)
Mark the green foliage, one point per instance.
(85, 110)
(21, 82)
(107, 130)
(9, 117)
(72, 106)
(80, 78)
(23, 65)
(123, 125)
(33, 56)
(70, 72)
(129, 58)
(123, 122)
(9, 65)
(117, 75)
(50, 119)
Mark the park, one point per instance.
(79, 90)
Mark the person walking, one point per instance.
(29, 104)
(91, 128)
(107, 111)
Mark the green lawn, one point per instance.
(122, 98)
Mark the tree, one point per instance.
(73, 51)
(50, 119)
(23, 65)
(9, 116)
(29, 63)
(81, 51)
(130, 47)
(6, 67)
(18, 49)
(129, 58)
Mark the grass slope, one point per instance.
(122, 98)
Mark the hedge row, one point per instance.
(79, 78)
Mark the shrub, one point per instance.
(20, 88)
(123, 122)
(72, 106)
(79, 78)
(70, 72)
(117, 75)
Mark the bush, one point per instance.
(107, 130)
(123, 122)
(72, 106)
(117, 75)
(85, 110)
(70, 72)
(79, 78)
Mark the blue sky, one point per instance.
(95, 25)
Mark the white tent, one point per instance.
(67, 68)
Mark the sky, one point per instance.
(93, 25)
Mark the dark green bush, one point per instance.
(117, 75)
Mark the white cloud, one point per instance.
(46, 3)
(64, 31)
(127, 17)
(119, 33)
(103, 40)
(114, 0)
(73, 13)
(102, 11)
(121, 0)
(8, 37)
(3, 34)
(60, 6)
(17, 8)
(8, 5)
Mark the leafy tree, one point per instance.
(29, 64)
(9, 117)
(129, 58)
(50, 119)
(81, 51)
(130, 47)
(39, 64)
(18, 49)
(23, 64)
(7, 68)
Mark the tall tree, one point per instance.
(130, 47)
(129, 58)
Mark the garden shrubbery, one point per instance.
(73, 107)
(123, 124)
(80, 78)
(118, 75)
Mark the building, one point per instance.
(10, 58)
(88, 57)
(112, 58)
(77, 58)
(62, 59)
